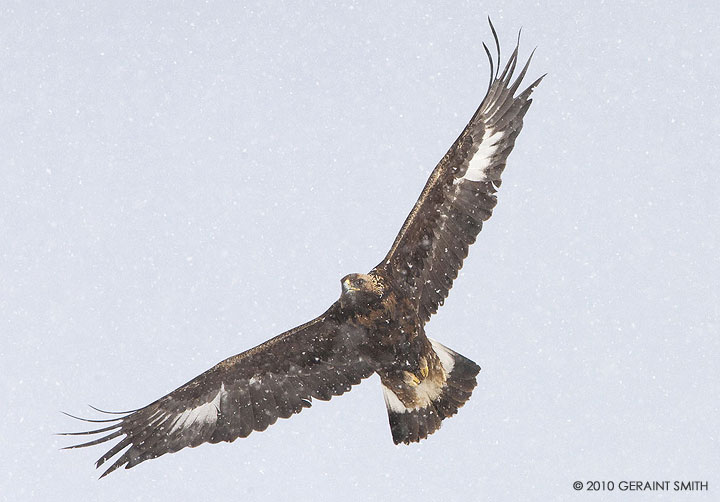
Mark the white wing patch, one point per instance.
(479, 163)
(206, 413)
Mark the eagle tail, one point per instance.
(410, 424)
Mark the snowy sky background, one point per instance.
(178, 185)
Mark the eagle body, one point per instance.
(377, 326)
(423, 382)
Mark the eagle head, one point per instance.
(360, 290)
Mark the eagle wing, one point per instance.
(244, 393)
(460, 194)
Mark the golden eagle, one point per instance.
(377, 325)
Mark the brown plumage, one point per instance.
(377, 325)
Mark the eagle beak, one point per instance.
(347, 286)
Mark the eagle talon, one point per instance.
(412, 379)
(424, 371)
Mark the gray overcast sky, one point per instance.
(180, 184)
